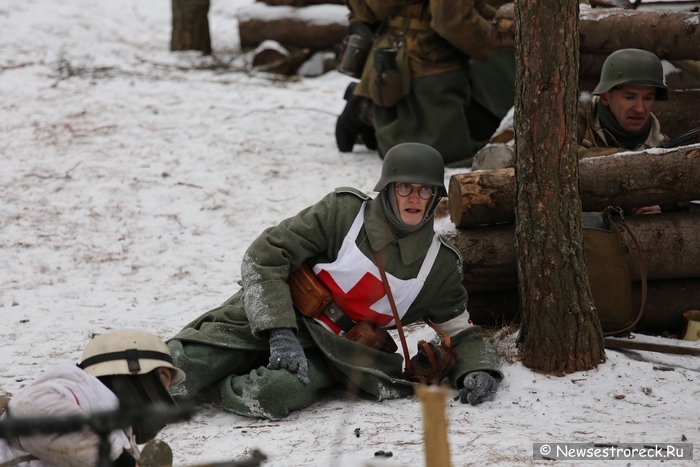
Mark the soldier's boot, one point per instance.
(350, 127)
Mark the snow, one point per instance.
(132, 180)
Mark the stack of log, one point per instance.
(482, 206)
(672, 35)
(286, 33)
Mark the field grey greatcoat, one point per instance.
(227, 348)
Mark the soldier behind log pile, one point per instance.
(429, 76)
(616, 118)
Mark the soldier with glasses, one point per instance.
(257, 356)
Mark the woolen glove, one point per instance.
(286, 352)
(479, 386)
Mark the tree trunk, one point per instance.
(190, 26)
(667, 300)
(669, 243)
(560, 332)
(670, 35)
(297, 27)
(628, 180)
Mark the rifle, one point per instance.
(101, 423)
(690, 137)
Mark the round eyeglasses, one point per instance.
(405, 189)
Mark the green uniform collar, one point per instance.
(412, 247)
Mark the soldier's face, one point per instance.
(412, 206)
(630, 105)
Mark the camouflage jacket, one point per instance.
(439, 35)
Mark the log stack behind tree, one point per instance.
(670, 35)
(481, 203)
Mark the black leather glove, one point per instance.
(286, 352)
(350, 126)
(479, 386)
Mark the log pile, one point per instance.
(482, 206)
(322, 24)
(298, 29)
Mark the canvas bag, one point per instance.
(609, 272)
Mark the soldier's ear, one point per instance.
(605, 99)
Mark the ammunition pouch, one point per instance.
(390, 76)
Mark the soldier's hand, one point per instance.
(479, 386)
(286, 353)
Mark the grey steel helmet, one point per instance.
(413, 163)
(632, 66)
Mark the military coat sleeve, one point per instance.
(314, 235)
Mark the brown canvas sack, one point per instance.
(609, 272)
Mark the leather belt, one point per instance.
(338, 317)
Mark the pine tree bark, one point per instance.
(560, 332)
(190, 26)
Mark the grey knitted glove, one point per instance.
(479, 386)
(286, 352)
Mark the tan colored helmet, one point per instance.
(128, 352)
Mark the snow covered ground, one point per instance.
(131, 181)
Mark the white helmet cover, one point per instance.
(128, 352)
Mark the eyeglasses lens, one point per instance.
(404, 190)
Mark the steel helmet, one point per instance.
(128, 352)
(413, 163)
(632, 66)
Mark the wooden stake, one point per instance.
(437, 450)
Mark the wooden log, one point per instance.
(302, 2)
(272, 57)
(668, 34)
(669, 244)
(663, 314)
(627, 179)
(679, 113)
(314, 27)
